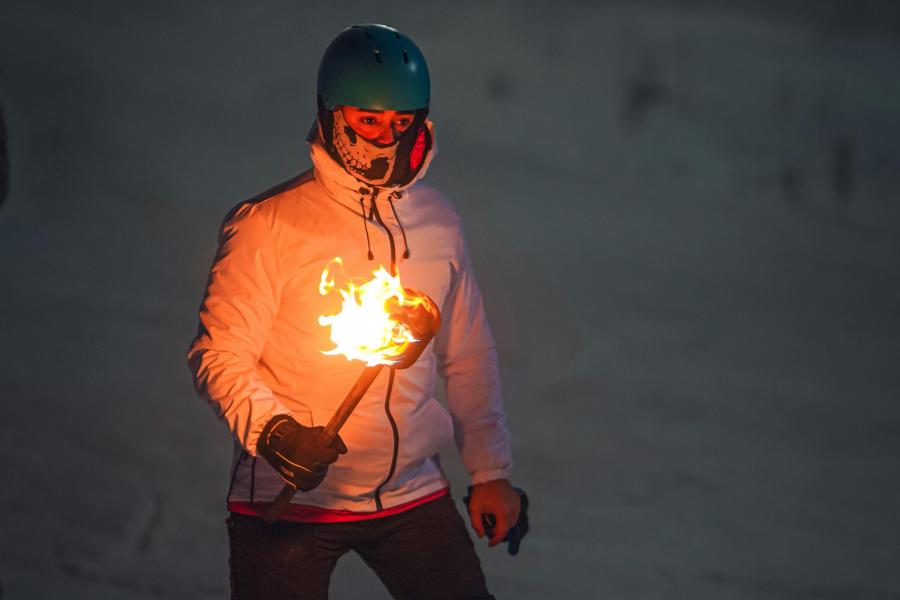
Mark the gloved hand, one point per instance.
(516, 532)
(300, 454)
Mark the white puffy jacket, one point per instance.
(258, 350)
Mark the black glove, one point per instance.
(516, 532)
(300, 454)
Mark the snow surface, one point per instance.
(685, 222)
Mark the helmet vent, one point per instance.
(405, 58)
(377, 53)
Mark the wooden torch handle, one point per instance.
(353, 397)
(279, 504)
(330, 432)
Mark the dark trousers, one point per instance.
(423, 553)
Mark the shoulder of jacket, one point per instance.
(268, 203)
(428, 195)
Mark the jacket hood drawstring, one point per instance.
(391, 198)
(366, 218)
(362, 212)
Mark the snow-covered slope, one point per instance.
(685, 222)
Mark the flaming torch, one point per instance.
(380, 323)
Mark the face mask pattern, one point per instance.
(363, 159)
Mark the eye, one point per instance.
(369, 120)
(403, 122)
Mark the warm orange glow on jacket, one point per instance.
(258, 352)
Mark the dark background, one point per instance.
(684, 216)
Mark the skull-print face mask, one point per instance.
(389, 165)
(367, 161)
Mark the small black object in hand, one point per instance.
(516, 532)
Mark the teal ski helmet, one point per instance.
(375, 67)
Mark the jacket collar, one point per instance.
(343, 186)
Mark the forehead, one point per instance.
(373, 111)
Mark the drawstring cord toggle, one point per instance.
(395, 195)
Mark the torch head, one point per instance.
(380, 321)
(423, 319)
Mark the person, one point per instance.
(378, 488)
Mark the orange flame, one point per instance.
(368, 326)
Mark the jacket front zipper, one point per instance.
(387, 396)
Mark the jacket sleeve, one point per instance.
(467, 360)
(242, 296)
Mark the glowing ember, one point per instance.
(378, 318)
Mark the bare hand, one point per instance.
(499, 499)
